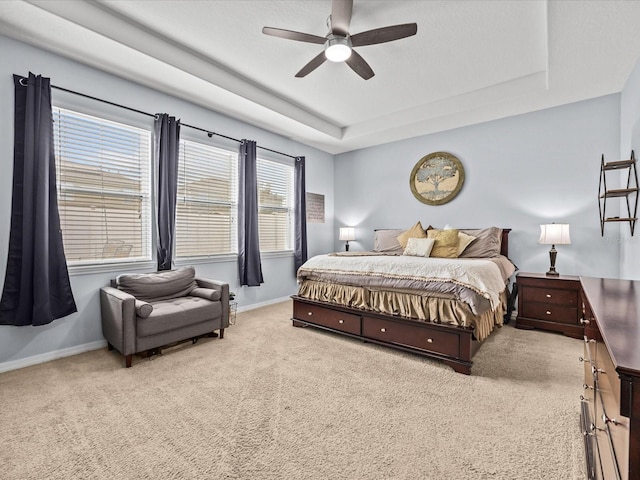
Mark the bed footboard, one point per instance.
(453, 345)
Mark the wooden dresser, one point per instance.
(611, 402)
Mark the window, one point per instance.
(207, 210)
(103, 188)
(275, 205)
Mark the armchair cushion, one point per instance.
(176, 314)
(157, 286)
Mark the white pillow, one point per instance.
(419, 247)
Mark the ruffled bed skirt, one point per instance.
(410, 305)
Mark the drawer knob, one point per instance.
(587, 387)
(310, 313)
(548, 295)
(383, 330)
(548, 312)
(429, 340)
(340, 321)
(596, 371)
(584, 321)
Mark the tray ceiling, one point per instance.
(469, 62)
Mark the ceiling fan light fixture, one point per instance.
(337, 49)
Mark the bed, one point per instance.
(441, 305)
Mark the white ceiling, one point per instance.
(471, 61)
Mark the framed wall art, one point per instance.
(437, 178)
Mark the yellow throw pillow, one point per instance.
(414, 232)
(446, 245)
(464, 241)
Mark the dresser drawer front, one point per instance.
(422, 338)
(552, 313)
(551, 296)
(609, 394)
(345, 322)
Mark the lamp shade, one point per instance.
(554, 234)
(347, 233)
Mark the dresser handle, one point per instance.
(383, 330)
(587, 387)
(340, 321)
(548, 312)
(580, 359)
(593, 428)
(429, 340)
(606, 419)
(310, 313)
(548, 295)
(584, 321)
(595, 370)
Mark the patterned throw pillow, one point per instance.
(419, 247)
(446, 243)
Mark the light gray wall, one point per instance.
(22, 345)
(630, 140)
(521, 172)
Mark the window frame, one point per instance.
(290, 209)
(233, 204)
(146, 193)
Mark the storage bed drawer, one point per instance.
(398, 333)
(345, 322)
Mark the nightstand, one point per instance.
(549, 303)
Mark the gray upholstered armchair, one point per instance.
(141, 312)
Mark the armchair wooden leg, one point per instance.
(127, 360)
(221, 333)
(109, 346)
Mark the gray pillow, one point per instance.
(153, 287)
(207, 294)
(486, 245)
(386, 240)
(143, 309)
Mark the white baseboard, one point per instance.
(47, 357)
(262, 304)
(67, 352)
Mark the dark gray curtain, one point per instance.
(166, 145)
(249, 265)
(300, 247)
(36, 286)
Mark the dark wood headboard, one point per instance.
(504, 248)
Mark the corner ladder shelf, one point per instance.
(626, 193)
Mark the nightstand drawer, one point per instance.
(552, 313)
(550, 296)
(345, 322)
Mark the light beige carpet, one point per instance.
(272, 401)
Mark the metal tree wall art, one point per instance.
(437, 178)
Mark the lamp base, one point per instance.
(346, 247)
(552, 259)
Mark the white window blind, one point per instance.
(103, 188)
(275, 205)
(206, 216)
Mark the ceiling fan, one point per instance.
(338, 44)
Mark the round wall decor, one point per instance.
(437, 178)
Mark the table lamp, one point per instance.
(347, 233)
(554, 234)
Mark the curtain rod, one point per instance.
(208, 132)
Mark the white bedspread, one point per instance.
(481, 276)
